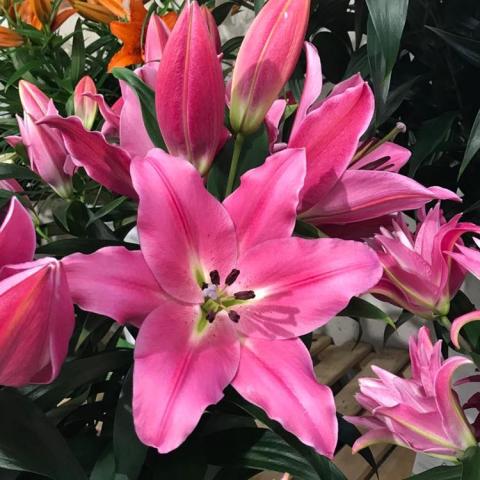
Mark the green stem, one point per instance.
(237, 149)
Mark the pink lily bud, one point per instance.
(266, 61)
(190, 92)
(212, 28)
(156, 39)
(85, 107)
(36, 310)
(421, 413)
(419, 274)
(45, 146)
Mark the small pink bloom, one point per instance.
(421, 413)
(45, 147)
(190, 92)
(218, 291)
(36, 310)
(419, 274)
(85, 107)
(266, 61)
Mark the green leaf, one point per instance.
(440, 473)
(467, 47)
(129, 451)
(29, 442)
(20, 72)
(147, 102)
(77, 66)
(388, 20)
(106, 209)
(404, 317)
(323, 468)
(358, 307)
(61, 248)
(384, 33)
(473, 145)
(432, 134)
(258, 5)
(221, 12)
(258, 449)
(77, 373)
(471, 464)
(104, 469)
(10, 170)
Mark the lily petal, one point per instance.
(379, 435)
(156, 39)
(36, 322)
(129, 291)
(453, 418)
(17, 235)
(291, 297)
(179, 372)
(312, 87)
(272, 120)
(330, 135)
(107, 164)
(389, 157)
(459, 323)
(467, 258)
(303, 406)
(361, 195)
(264, 207)
(197, 234)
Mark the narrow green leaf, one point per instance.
(77, 373)
(358, 307)
(147, 102)
(473, 145)
(106, 209)
(60, 248)
(129, 451)
(9, 170)
(221, 12)
(388, 19)
(29, 442)
(440, 473)
(430, 137)
(20, 72)
(77, 66)
(467, 47)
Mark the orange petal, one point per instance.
(170, 19)
(114, 6)
(93, 12)
(123, 58)
(42, 9)
(9, 38)
(62, 16)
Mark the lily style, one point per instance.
(220, 290)
(421, 413)
(420, 274)
(36, 310)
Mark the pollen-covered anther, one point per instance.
(215, 277)
(211, 316)
(232, 277)
(233, 316)
(244, 295)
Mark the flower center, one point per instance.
(217, 298)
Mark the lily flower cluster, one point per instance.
(219, 289)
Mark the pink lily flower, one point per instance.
(190, 92)
(341, 189)
(45, 148)
(36, 310)
(266, 60)
(419, 274)
(421, 413)
(84, 106)
(218, 290)
(473, 402)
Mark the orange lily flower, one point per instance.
(130, 33)
(9, 38)
(27, 13)
(170, 19)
